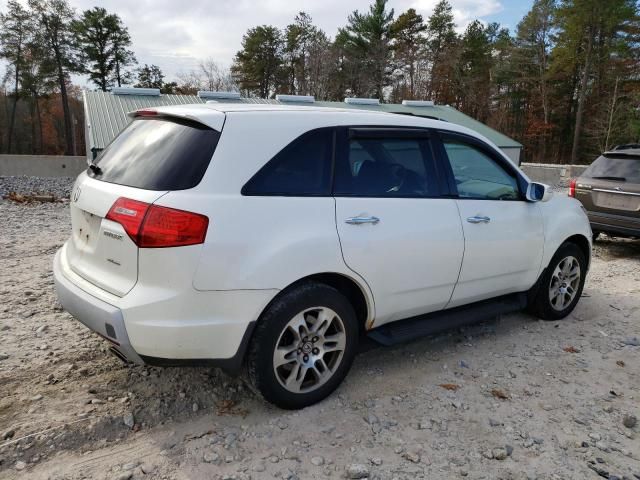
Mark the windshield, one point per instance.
(623, 167)
(157, 154)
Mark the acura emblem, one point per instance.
(76, 194)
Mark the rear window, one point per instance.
(623, 167)
(158, 154)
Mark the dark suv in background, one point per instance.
(610, 192)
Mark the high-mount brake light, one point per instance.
(146, 112)
(153, 226)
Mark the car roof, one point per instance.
(205, 112)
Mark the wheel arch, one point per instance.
(356, 293)
(583, 244)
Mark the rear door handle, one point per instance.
(361, 220)
(478, 219)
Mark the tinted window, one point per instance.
(302, 168)
(627, 168)
(386, 167)
(158, 154)
(477, 175)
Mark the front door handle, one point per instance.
(478, 219)
(361, 220)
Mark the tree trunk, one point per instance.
(39, 116)
(118, 80)
(613, 108)
(33, 125)
(544, 97)
(12, 120)
(581, 98)
(68, 128)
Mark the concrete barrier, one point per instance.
(41, 165)
(554, 175)
(62, 166)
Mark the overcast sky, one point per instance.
(175, 34)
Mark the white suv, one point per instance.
(273, 237)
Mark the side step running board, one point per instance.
(405, 330)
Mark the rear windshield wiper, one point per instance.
(95, 168)
(605, 177)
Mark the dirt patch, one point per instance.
(513, 398)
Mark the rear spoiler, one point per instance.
(206, 116)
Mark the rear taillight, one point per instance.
(572, 188)
(153, 226)
(130, 214)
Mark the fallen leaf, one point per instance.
(499, 394)
(449, 386)
(571, 349)
(20, 198)
(620, 363)
(228, 407)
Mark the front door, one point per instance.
(395, 229)
(503, 232)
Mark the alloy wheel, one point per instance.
(309, 350)
(564, 284)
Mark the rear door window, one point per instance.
(384, 166)
(158, 154)
(622, 168)
(302, 168)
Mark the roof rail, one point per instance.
(361, 101)
(219, 95)
(296, 98)
(418, 103)
(150, 92)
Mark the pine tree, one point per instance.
(16, 27)
(366, 38)
(258, 66)
(54, 19)
(409, 43)
(150, 76)
(443, 51)
(103, 42)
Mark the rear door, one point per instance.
(610, 190)
(504, 236)
(149, 158)
(395, 229)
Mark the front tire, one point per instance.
(560, 287)
(303, 346)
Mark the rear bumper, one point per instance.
(157, 325)
(616, 224)
(99, 316)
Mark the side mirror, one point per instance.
(538, 192)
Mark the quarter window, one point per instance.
(302, 168)
(386, 167)
(479, 176)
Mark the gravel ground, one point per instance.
(516, 398)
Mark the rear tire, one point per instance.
(303, 346)
(560, 287)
